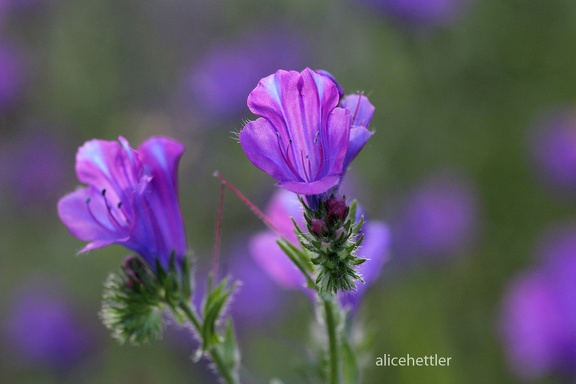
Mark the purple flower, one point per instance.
(285, 205)
(37, 174)
(258, 298)
(11, 76)
(303, 139)
(43, 329)
(554, 148)
(538, 321)
(17, 5)
(219, 82)
(131, 198)
(421, 12)
(438, 218)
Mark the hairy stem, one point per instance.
(246, 201)
(228, 376)
(331, 325)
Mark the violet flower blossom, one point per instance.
(217, 86)
(303, 138)
(37, 175)
(43, 329)
(421, 13)
(269, 256)
(259, 299)
(438, 218)
(539, 313)
(553, 147)
(12, 76)
(131, 198)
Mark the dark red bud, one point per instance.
(132, 265)
(319, 226)
(337, 208)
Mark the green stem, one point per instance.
(334, 371)
(228, 377)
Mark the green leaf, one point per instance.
(352, 211)
(214, 304)
(358, 225)
(297, 257)
(229, 349)
(186, 280)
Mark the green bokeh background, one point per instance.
(461, 97)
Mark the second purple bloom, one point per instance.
(303, 138)
(131, 198)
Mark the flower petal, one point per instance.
(331, 77)
(375, 248)
(359, 135)
(274, 261)
(336, 147)
(278, 95)
(282, 207)
(300, 112)
(108, 165)
(314, 188)
(95, 227)
(360, 107)
(160, 157)
(261, 144)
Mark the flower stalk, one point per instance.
(333, 343)
(135, 299)
(224, 369)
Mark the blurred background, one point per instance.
(472, 167)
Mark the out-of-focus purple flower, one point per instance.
(282, 206)
(421, 13)
(554, 148)
(303, 139)
(258, 298)
(538, 322)
(11, 75)
(18, 5)
(285, 205)
(37, 170)
(43, 329)
(438, 218)
(221, 79)
(131, 198)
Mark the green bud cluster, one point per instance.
(332, 240)
(135, 298)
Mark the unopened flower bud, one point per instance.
(134, 268)
(319, 227)
(337, 208)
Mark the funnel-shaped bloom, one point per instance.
(303, 139)
(131, 198)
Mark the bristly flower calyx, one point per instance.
(332, 240)
(135, 298)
